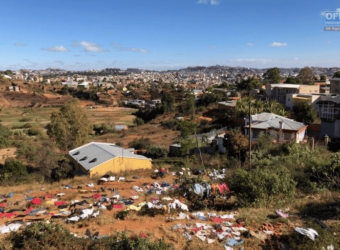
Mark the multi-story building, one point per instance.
(280, 90)
(335, 85)
(329, 113)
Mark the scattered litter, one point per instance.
(309, 232)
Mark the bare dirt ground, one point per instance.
(7, 153)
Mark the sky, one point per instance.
(166, 34)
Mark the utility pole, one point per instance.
(249, 134)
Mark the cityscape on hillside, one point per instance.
(170, 124)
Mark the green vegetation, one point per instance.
(272, 75)
(249, 84)
(138, 121)
(70, 126)
(168, 102)
(306, 76)
(264, 186)
(337, 74)
(5, 134)
(258, 106)
(305, 113)
(41, 236)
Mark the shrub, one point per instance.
(34, 131)
(262, 186)
(40, 236)
(138, 121)
(25, 119)
(141, 143)
(5, 134)
(14, 167)
(155, 152)
(170, 124)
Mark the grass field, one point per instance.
(41, 116)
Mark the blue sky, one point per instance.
(166, 34)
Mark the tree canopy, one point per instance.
(249, 84)
(168, 102)
(70, 126)
(337, 74)
(258, 106)
(305, 113)
(272, 75)
(306, 76)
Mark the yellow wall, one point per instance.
(309, 89)
(117, 165)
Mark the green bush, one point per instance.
(5, 134)
(25, 119)
(155, 152)
(16, 168)
(170, 124)
(41, 236)
(34, 131)
(141, 143)
(262, 187)
(138, 121)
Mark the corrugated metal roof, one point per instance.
(102, 152)
(269, 120)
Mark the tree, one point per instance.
(305, 113)
(70, 126)
(168, 102)
(46, 159)
(272, 76)
(293, 80)
(306, 75)
(138, 121)
(187, 128)
(323, 78)
(249, 84)
(337, 74)
(16, 168)
(8, 72)
(235, 143)
(258, 106)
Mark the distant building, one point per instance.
(280, 90)
(268, 123)
(121, 127)
(311, 99)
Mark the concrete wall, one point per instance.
(309, 89)
(121, 164)
(115, 165)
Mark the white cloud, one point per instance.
(250, 44)
(213, 47)
(329, 42)
(212, 2)
(119, 47)
(278, 44)
(296, 58)
(89, 47)
(19, 44)
(56, 49)
(261, 61)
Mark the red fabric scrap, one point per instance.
(217, 220)
(3, 204)
(7, 215)
(59, 203)
(96, 196)
(48, 196)
(118, 206)
(28, 210)
(36, 201)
